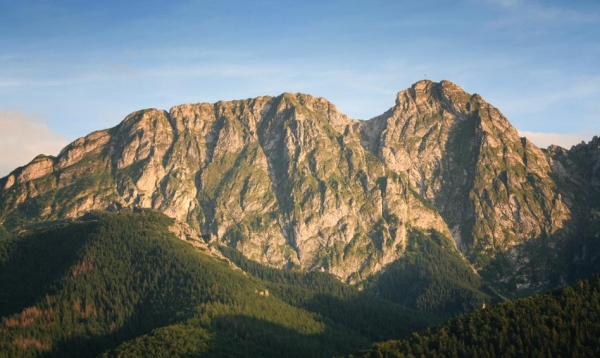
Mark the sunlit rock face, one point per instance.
(292, 182)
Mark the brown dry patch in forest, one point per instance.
(24, 343)
(84, 309)
(82, 268)
(28, 317)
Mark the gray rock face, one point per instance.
(493, 189)
(291, 181)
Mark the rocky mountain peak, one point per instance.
(292, 182)
(493, 189)
(432, 96)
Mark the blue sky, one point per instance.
(71, 67)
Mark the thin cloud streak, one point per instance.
(577, 89)
(528, 12)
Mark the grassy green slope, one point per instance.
(122, 285)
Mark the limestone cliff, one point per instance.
(493, 189)
(292, 182)
(283, 179)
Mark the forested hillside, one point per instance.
(123, 285)
(432, 278)
(565, 323)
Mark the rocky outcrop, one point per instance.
(292, 182)
(577, 174)
(493, 189)
(283, 179)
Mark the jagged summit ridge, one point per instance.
(291, 181)
(284, 179)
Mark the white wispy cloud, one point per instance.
(532, 12)
(573, 89)
(23, 137)
(543, 140)
(94, 67)
(503, 3)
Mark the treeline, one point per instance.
(123, 285)
(317, 282)
(431, 277)
(320, 292)
(565, 323)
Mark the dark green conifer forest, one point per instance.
(432, 278)
(122, 285)
(564, 323)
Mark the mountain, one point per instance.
(123, 284)
(577, 174)
(563, 323)
(291, 182)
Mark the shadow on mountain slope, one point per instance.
(546, 262)
(31, 266)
